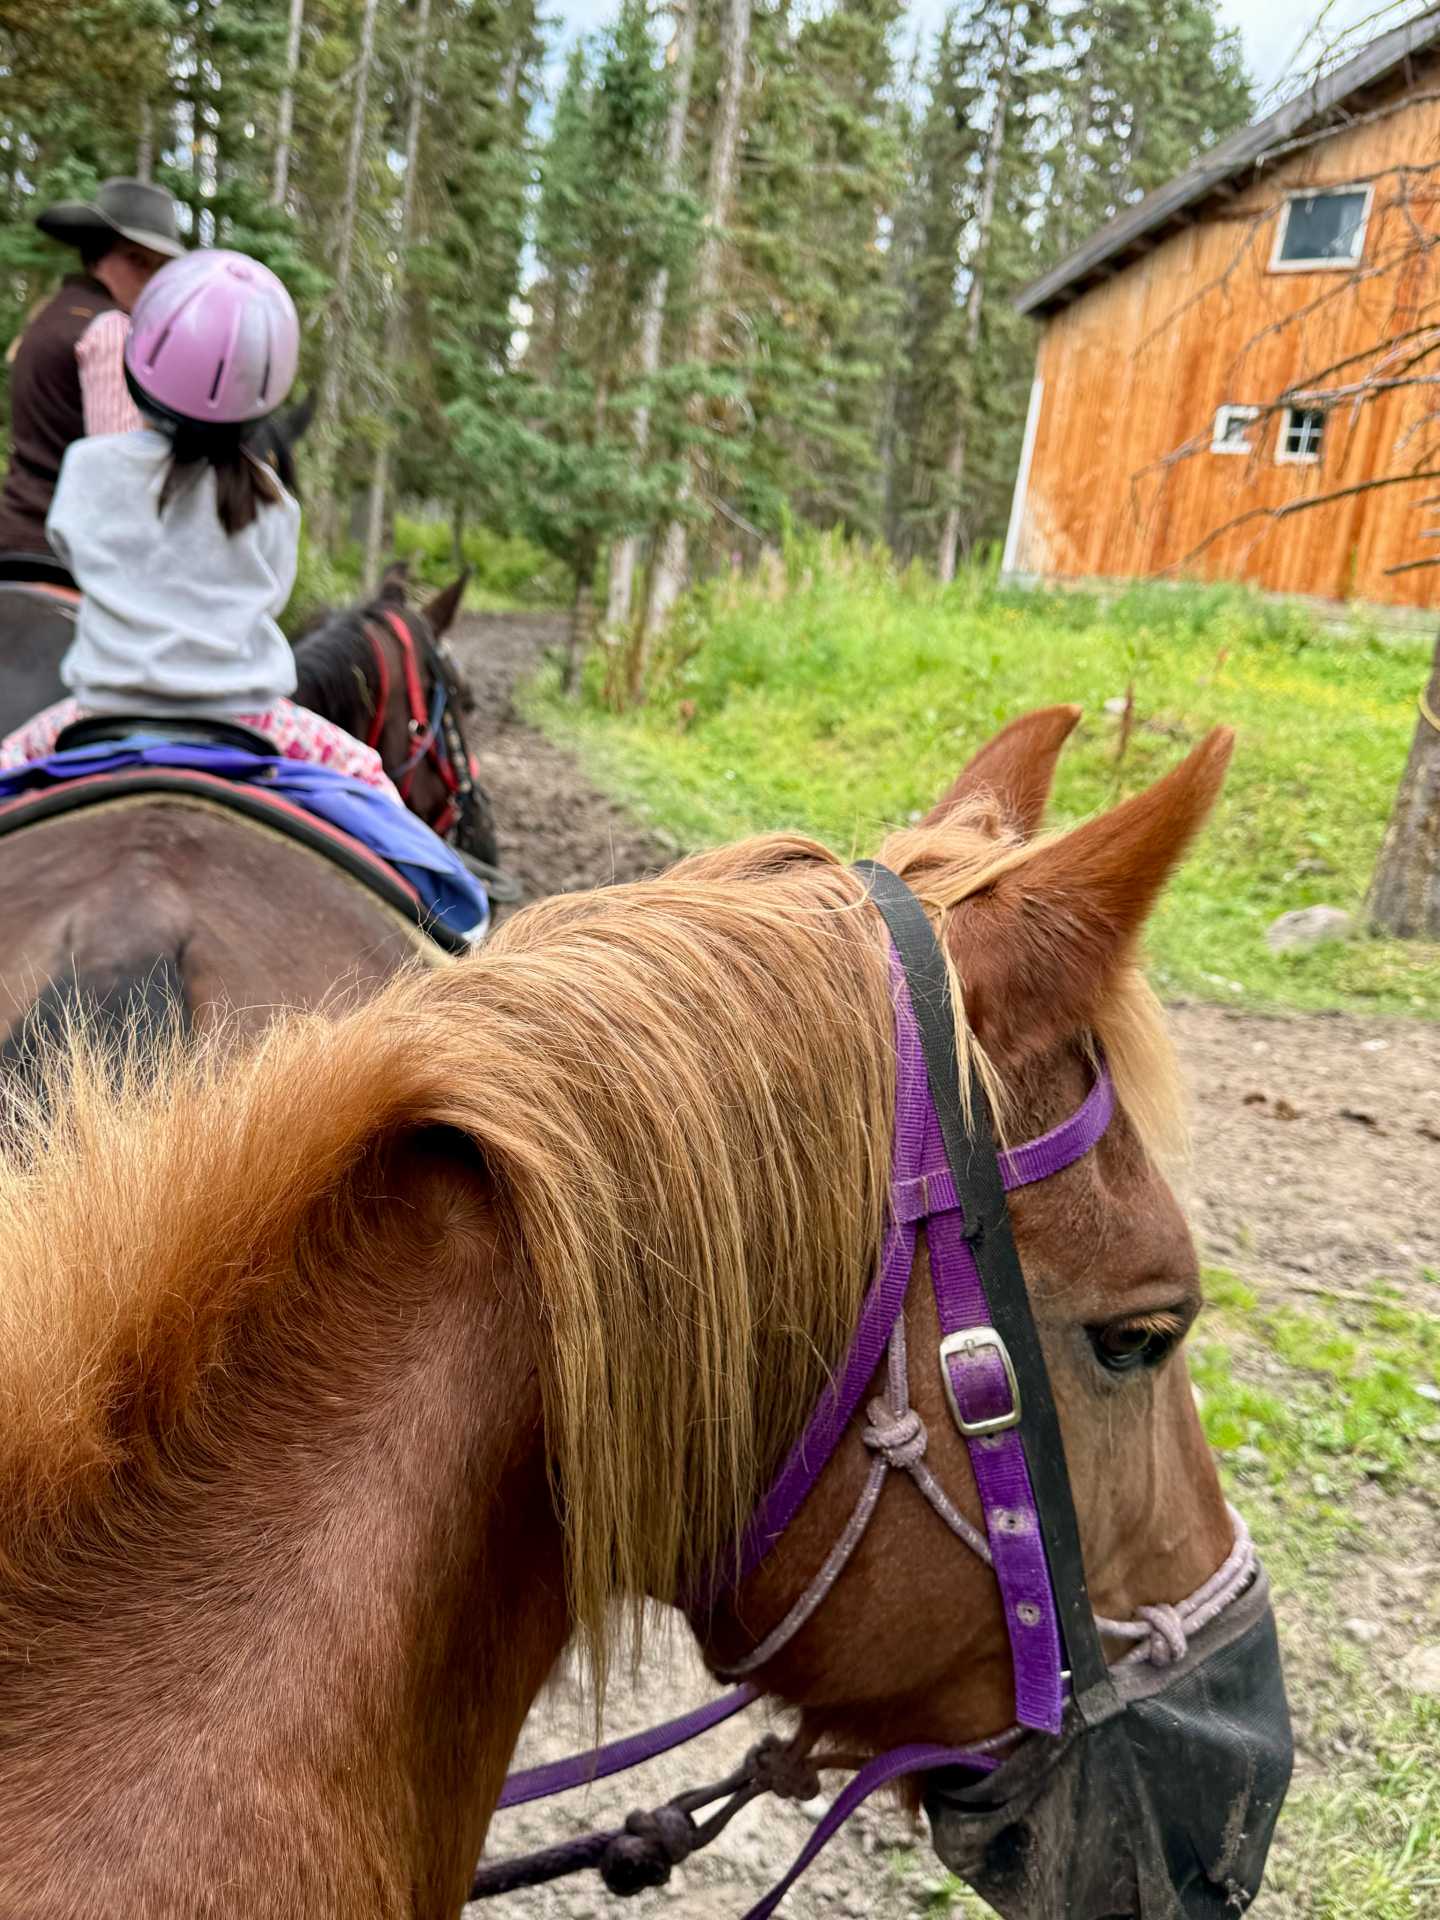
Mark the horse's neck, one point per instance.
(285, 1683)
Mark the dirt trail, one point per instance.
(1316, 1168)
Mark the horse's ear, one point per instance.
(443, 608)
(1037, 950)
(1016, 768)
(395, 583)
(297, 419)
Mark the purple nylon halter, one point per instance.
(980, 1381)
(981, 1386)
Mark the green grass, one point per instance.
(1364, 1844)
(1306, 1410)
(836, 696)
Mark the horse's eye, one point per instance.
(1127, 1344)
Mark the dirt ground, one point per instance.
(1316, 1167)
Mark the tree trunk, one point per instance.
(327, 413)
(652, 326)
(375, 514)
(582, 626)
(623, 556)
(395, 313)
(145, 145)
(1404, 897)
(285, 118)
(457, 533)
(667, 575)
(975, 306)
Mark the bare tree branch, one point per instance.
(1289, 508)
(1345, 123)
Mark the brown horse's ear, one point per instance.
(295, 422)
(1037, 950)
(443, 608)
(395, 583)
(1017, 768)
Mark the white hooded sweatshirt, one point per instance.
(176, 615)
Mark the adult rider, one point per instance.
(67, 378)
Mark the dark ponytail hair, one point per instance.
(243, 483)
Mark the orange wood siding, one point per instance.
(1122, 481)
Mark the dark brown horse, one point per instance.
(385, 673)
(344, 1379)
(37, 624)
(175, 900)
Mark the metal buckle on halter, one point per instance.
(978, 1340)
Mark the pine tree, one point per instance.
(1004, 42)
(1101, 102)
(465, 269)
(77, 90)
(681, 72)
(1144, 86)
(671, 555)
(556, 444)
(285, 113)
(935, 213)
(340, 321)
(808, 294)
(398, 291)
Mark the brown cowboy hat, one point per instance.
(123, 209)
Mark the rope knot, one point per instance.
(780, 1768)
(650, 1845)
(899, 1437)
(1167, 1642)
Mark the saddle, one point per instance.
(95, 729)
(252, 802)
(35, 570)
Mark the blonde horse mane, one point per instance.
(683, 1092)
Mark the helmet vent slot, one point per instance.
(219, 376)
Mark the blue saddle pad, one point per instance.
(447, 889)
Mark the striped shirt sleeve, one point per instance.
(100, 355)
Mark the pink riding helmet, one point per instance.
(214, 339)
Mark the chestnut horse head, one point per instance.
(344, 1380)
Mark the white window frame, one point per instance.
(1284, 459)
(1277, 265)
(1218, 442)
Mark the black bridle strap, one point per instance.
(975, 1164)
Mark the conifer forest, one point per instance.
(726, 266)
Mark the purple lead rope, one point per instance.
(875, 1774)
(619, 1756)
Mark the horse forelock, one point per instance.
(336, 669)
(681, 1092)
(336, 672)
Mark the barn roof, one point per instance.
(1138, 228)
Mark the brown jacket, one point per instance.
(46, 410)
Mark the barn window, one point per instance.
(1302, 433)
(1232, 429)
(1322, 229)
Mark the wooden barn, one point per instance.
(1225, 367)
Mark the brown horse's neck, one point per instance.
(276, 1687)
